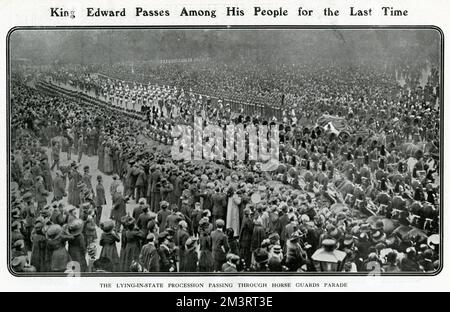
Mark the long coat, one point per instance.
(73, 190)
(57, 256)
(174, 197)
(41, 193)
(101, 158)
(219, 201)
(164, 259)
(205, 262)
(119, 207)
(149, 258)
(38, 252)
(109, 249)
(131, 251)
(77, 251)
(233, 213)
(182, 237)
(258, 235)
(108, 164)
(100, 198)
(47, 176)
(190, 260)
(220, 248)
(59, 188)
(245, 236)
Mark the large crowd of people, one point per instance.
(360, 198)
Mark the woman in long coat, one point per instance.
(73, 190)
(38, 248)
(108, 165)
(190, 257)
(108, 242)
(77, 244)
(132, 248)
(233, 213)
(118, 210)
(258, 235)
(101, 157)
(100, 199)
(57, 256)
(245, 237)
(205, 262)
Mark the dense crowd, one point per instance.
(364, 201)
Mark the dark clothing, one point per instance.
(109, 249)
(190, 260)
(149, 258)
(77, 251)
(220, 248)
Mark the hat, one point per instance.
(378, 226)
(364, 227)
(378, 236)
(203, 221)
(164, 204)
(76, 227)
(19, 243)
(276, 249)
(295, 236)
(232, 257)
(127, 220)
(348, 239)
(54, 231)
(115, 176)
(329, 242)
(18, 263)
(183, 224)
(274, 237)
(162, 236)
(27, 195)
(261, 256)
(142, 201)
(433, 240)
(190, 242)
(220, 223)
(108, 226)
(151, 237)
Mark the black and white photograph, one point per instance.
(188, 151)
